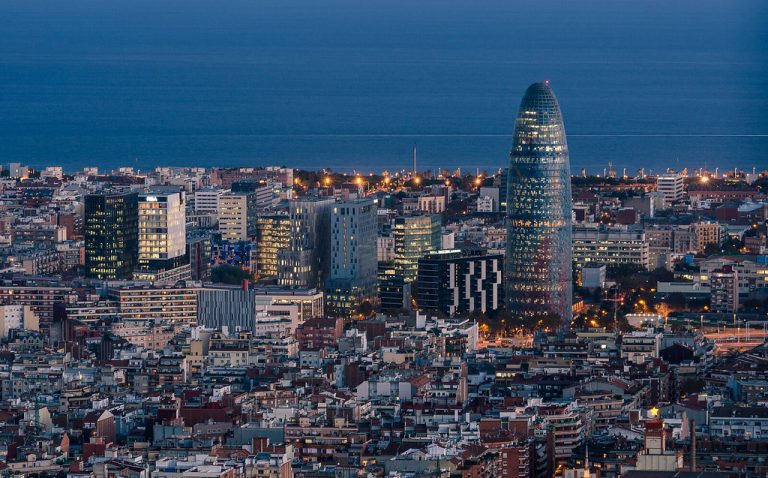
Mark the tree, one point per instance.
(691, 385)
(365, 309)
(619, 271)
(676, 299)
(227, 274)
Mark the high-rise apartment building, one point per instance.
(538, 259)
(352, 278)
(456, 281)
(724, 289)
(672, 186)
(111, 235)
(305, 263)
(171, 303)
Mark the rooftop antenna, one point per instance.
(414, 159)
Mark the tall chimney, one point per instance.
(693, 445)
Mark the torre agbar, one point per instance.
(538, 261)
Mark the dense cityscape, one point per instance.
(528, 321)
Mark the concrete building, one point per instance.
(16, 317)
(724, 289)
(385, 249)
(594, 246)
(169, 303)
(742, 422)
(237, 216)
(638, 346)
(488, 199)
(309, 301)
(704, 234)
(654, 456)
(593, 277)
(672, 185)
(207, 200)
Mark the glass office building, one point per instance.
(415, 236)
(111, 235)
(538, 271)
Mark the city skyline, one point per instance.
(343, 239)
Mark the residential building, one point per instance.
(724, 289)
(672, 186)
(237, 216)
(161, 303)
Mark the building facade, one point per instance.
(162, 235)
(111, 235)
(453, 281)
(414, 237)
(352, 278)
(273, 234)
(724, 289)
(672, 186)
(305, 263)
(596, 246)
(237, 216)
(538, 259)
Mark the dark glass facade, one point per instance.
(111, 224)
(538, 262)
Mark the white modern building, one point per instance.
(672, 185)
(595, 246)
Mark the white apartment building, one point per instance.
(233, 217)
(595, 246)
(207, 200)
(672, 185)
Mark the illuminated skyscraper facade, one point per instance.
(111, 235)
(162, 236)
(538, 271)
(273, 234)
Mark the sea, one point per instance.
(353, 85)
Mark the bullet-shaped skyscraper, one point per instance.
(538, 262)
